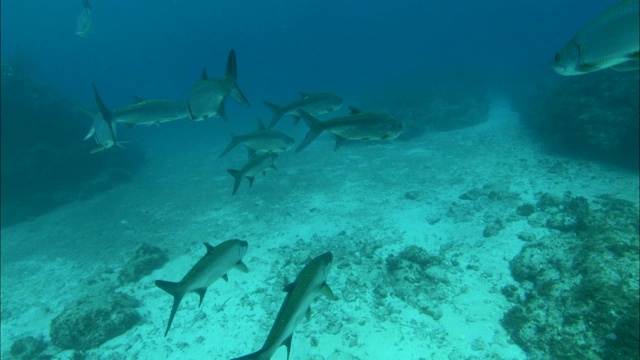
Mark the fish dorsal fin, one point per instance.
(303, 94)
(201, 292)
(203, 76)
(287, 343)
(261, 125)
(136, 99)
(354, 110)
(326, 291)
(242, 267)
(225, 277)
(209, 247)
(289, 287)
(232, 69)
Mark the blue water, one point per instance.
(356, 49)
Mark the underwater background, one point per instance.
(510, 186)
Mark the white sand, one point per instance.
(351, 202)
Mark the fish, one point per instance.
(261, 140)
(611, 40)
(310, 282)
(208, 95)
(213, 265)
(147, 112)
(84, 24)
(314, 104)
(103, 129)
(258, 164)
(357, 125)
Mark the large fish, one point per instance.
(357, 125)
(314, 104)
(257, 164)
(213, 265)
(311, 282)
(611, 40)
(261, 140)
(208, 95)
(84, 25)
(103, 129)
(149, 112)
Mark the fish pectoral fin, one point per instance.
(287, 343)
(242, 267)
(307, 314)
(339, 141)
(91, 132)
(587, 68)
(225, 277)
(250, 178)
(201, 292)
(326, 291)
(98, 149)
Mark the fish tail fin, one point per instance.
(237, 176)
(232, 75)
(314, 129)
(86, 4)
(278, 112)
(232, 144)
(171, 288)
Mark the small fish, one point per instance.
(261, 140)
(147, 112)
(357, 125)
(258, 164)
(84, 25)
(611, 40)
(103, 129)
(213, 265)
(208, 95)
(311, 282)
(314, 104)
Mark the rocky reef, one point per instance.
(594, 116)
(578, 286)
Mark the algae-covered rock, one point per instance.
(146, 259)
(28, 348)
(90, 322)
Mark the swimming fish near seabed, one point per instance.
(84, 25)
(103, 129)
(611, 40)
(311, 282)
(314, 104)
(357, 125)
(208, 95)
(257, 164)
(147, 112)
(261, 140)
(213, 265)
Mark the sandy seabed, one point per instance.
(364, 203)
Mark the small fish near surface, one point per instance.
(213, 265)
(84, 25)
(257, 164)
(148, 112)
(357, 125)
(310, 282)
(313, 103)
(260, 141)
(611, 40)
(103, 129)
(208, 95)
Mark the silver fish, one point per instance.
(84, 25)
(314, 104)
(147, 112)
(208, 95)
(611, 40)
(357, 125)
(212, 266)
(310, 282)
(261, 140)
(258, 164)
